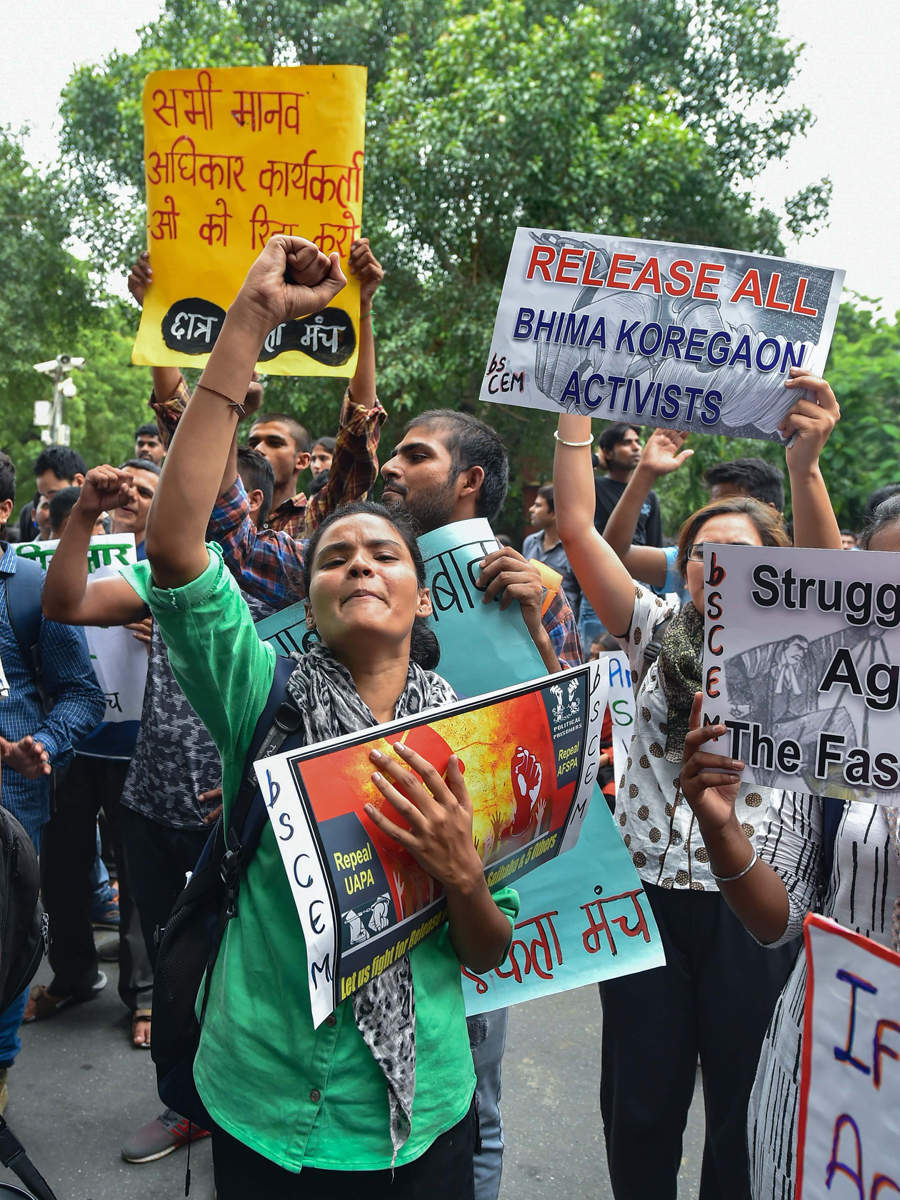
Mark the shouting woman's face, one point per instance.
(363, 583)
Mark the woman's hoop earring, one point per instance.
(309, 639)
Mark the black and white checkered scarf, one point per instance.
(385, 1008)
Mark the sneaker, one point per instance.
(159, 1137)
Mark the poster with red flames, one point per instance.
(530, 759)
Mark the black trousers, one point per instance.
(68, 847)
(158, 858)
(443, 1172)
(714, 998)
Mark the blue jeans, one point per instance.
(10, 1042)
(487, 1040)
(99, 878)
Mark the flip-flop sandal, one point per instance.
(43, 1004)
(141, 1015)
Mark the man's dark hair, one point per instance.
(472, 443)
(298, 432)
(141, 464)
(615, 433)
(64, 462)
(546, 492)
(7, 478)
(878, 497)
(256, 472)
(754, 476)
(61, 505)
(148, 430)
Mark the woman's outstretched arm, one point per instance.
(289, 279)
(809, 424)
(603, 578)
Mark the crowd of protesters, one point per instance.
(397, 1088)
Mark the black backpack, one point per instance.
(189, 944)
(23, 923)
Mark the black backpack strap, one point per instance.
(277, 721)
(652, 649)
(12, 1155)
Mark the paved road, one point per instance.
(78, 1089)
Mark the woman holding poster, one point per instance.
(842, 860)
(378, 1099)
(714, 997)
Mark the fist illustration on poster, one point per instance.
(527, 776)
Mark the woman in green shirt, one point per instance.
(386, 1082)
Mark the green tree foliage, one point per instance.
(102, 136)
(864, 370)
(647, 118)
(44, 301)
(112, 393)
(863, 452)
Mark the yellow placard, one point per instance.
(231, 157)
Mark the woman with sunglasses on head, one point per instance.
(838, 859)
(379, 1097)
(714, 997)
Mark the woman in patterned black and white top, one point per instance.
(861, 891)
(715, 996)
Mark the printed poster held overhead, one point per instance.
(686, 337)
(362, 900)
(802, 664)
(233, 156)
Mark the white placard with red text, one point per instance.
(848, 1144)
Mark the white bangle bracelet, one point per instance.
(740, 875)
(563, 442)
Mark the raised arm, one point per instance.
(368, 270)
(661, 455)
(810, 423)
(166, 380)
(291, 278)
(604, 580)
(354, 467)
(68, 595)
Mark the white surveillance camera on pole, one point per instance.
(48, 414)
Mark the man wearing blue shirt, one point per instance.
(32, 741)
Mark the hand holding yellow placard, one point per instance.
(233, 156)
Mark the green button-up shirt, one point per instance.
(297, 1095)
